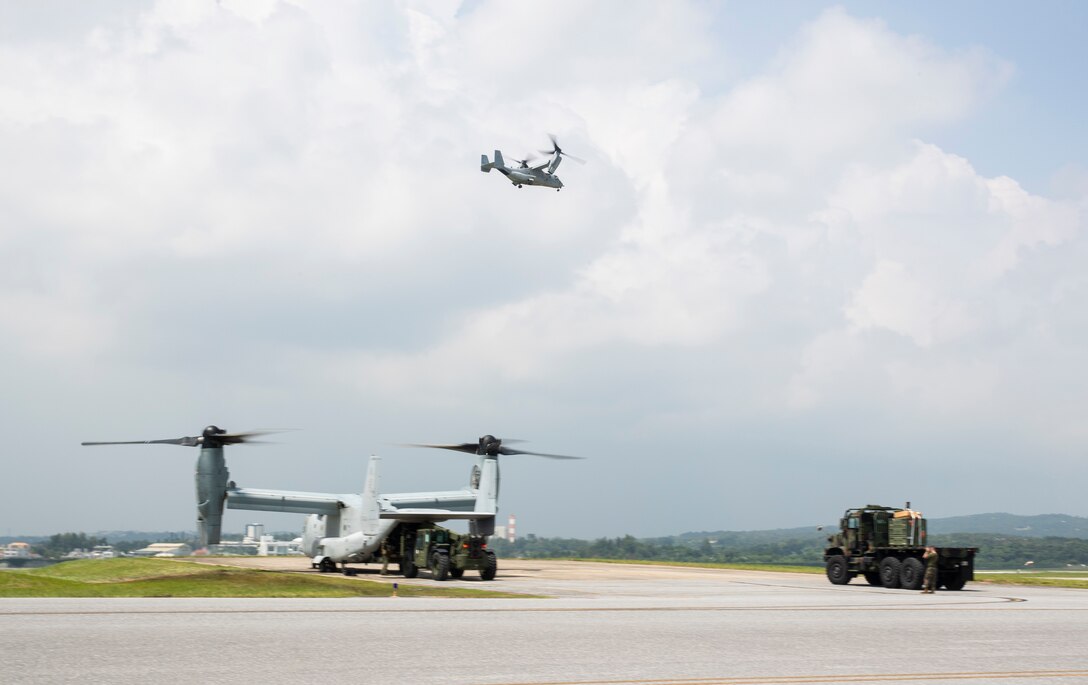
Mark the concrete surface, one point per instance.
(605, 624)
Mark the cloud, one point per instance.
(891, 298)
(273, 210)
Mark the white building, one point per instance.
(271, 547)
(18, 550)
(254, 533)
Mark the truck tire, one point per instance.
(838, 572)
(490, 567)
(440, 565)
(873, 578)
(889, 572)
(912, 574)
(408, 568)
(954, 580)
(456, 572)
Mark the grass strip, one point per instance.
(1031, 579)
(168, 578)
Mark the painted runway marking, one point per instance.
(839, 678)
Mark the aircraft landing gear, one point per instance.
(326, 565)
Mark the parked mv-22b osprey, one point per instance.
(344, 528)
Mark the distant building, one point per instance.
(233, 548)
(97, 552)
(254, 532)
(271, 547)
(18, 550)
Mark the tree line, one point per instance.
(996, 551)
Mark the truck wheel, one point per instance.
(456, 572)
(955, 580)
(912, 573)
(408, 568)
(440, 566)
(491, 567)
(873, 578)
(889, 572)
(837, 570)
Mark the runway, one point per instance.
(602, 624)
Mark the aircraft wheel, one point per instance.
(440, 564)
(349, 571)
(327, 565)
(491, 567)
(838, 572)
(889, 572)
(911, 574)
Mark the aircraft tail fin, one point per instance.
(487, 497)
(498, 159)
(485, 164)
(371, 508)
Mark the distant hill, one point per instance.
(1040, 526)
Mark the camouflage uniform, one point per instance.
(929, 583)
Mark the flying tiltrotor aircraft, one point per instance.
(542, 174)
(342, 528)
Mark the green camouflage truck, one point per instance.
(885, 545)
(445, 554)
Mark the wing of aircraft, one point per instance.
(285, 500)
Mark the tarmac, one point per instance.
(602, 624)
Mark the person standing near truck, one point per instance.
(929, 583)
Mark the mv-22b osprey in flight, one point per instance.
(343, 528)
(542, 174)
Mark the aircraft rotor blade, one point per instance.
(493, 446)
(509, 450)
(239, 438)
(558, 150)
(185, 442)
(212, 436)
(467, 447)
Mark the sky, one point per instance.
(819, 256)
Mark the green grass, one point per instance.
(170, 578)
(1045, 578)
(783, 568)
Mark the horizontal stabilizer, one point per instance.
(416, 515)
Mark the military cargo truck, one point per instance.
(445, 554)
(885, 545)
